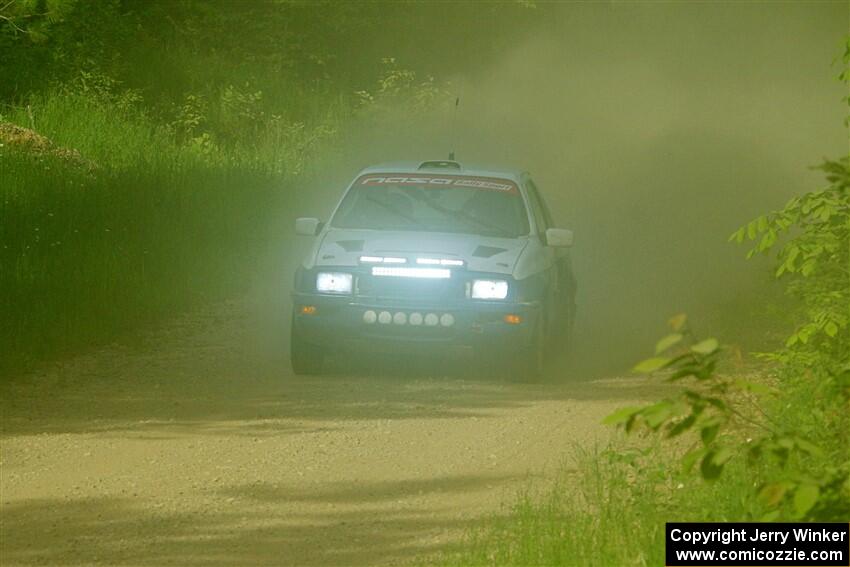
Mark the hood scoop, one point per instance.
(350, 245)
(487, 251)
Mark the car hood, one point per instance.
(343, 247)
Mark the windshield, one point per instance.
(434, 203)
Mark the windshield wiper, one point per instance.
(498, 230)
(395, 211)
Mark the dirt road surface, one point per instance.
(198, 447)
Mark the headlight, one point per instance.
(489, 289)
(333, 282)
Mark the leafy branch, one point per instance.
(710, 406)
(811, 239)
(816, 260)
(13, 12)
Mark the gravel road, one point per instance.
(197, 446)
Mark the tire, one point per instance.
(526, 364)
(307, 359)
(563, 339)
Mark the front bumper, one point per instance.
(338, 322)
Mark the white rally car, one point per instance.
(435, 255)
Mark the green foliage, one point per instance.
(399, 87)
(844, 76)
(102, 89)
(155, 225)
(774, 446)
(815, 258)
(727, 418)
(282, 48)
(804, 450)
(797, 433)
(32, 20)
(174, 130)
(608, 509)
(234, 121)
(703, 406)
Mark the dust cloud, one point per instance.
(653, 130)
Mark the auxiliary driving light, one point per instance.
(385, 318)
(416, 319)
(431, 319)
(370, 317)
(400, 318)
(447, 320)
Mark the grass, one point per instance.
(610, 510)
(156, 227)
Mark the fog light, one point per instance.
(447, 320)
(385, 318)
(370, 317)
(512, 319)
(431, 319)
(416, 319)
(308, 309)
(400, 318)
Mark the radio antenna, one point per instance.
(452, 130)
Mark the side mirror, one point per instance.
(306, 226)
(559, 237)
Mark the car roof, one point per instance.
(448, 167)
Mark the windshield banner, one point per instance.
(467, 182)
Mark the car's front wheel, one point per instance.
(530, 359)
(306, 358)
(522, 364)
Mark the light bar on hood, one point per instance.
(432, 273)
(439, 262)
(382, 260)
